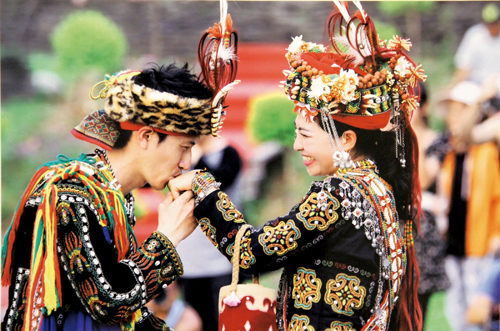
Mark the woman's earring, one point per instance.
(342, 160)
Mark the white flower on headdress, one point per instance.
(347, 83)
(296, 45)
(390, 78)
(402, 66)
(318, 88)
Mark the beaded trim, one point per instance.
(171, 255)
(21, 278)
(138, 290)
(145, 314)
(202, 182)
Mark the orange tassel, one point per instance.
(6, 270)
(229, 23)
(120, 227)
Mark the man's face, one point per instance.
(165, 160)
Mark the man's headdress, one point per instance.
(132, 104)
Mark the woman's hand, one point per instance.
(175, 218)
(181, 183)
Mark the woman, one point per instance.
(345, 263)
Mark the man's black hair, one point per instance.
(171, 79)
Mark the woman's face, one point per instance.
(312, 143)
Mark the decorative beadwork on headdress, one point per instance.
(357, 78)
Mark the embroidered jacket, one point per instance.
(340, 248)
(89, 276)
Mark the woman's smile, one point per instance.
(307, 160)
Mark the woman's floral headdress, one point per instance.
(361, 80)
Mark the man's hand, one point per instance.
(181, 183)
(175, 218)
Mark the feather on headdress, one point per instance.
(134, 105)
(217, 51)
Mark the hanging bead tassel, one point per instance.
(409, 234)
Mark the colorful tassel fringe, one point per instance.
(44, 260)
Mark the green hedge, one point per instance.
(271, 118)
(88, 39)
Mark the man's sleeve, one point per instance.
(110, 290)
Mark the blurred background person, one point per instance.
(487, 125)
(430, 247)
(205, 269)
(170, 307)
(484, 309)
(470, 180)
(477, 55)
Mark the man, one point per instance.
(470, 180)
(70, 255)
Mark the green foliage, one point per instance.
(400, 8)
(21, 118)
(21, 124)
(41, 61)
(385, 30)
(271, 119)
(88, 40)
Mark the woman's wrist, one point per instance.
(203, 184)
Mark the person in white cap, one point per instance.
(470, 179)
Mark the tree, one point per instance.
(88, 40)
(271, 119)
